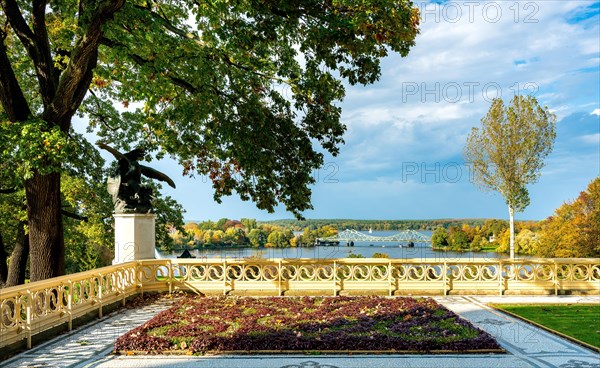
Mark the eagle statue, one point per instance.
(128, 193)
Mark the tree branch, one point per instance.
(47, 73)
(11, 95)
(36, 43)
(187, 35)
(74, 215)
(101, 118)
(18, 23)
(141, 61)
(168, 25)
(228, 61)
(75, 80)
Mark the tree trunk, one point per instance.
(511, 213)
(47, 253)
(18, 258)
(3, 268)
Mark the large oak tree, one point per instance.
(242, 91)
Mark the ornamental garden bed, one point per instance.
(213, 325)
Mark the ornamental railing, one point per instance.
(28, 309)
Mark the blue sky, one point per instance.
(402, 157)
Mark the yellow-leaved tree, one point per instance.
(508, 150)
(574, 228)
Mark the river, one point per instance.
(366, 249)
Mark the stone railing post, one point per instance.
(279, 277)
(390, 281)
(445, 277)
(500, 278)
(224, 277)
(29, 317)
(70, 306)
(100, 301)
(555, 277)
(334, 278)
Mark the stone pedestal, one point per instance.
(134, 237)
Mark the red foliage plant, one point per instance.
(220, 324)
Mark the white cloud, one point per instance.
(596, 112)
(425, 104)
(590, 138)
(401, 120)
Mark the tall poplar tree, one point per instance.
(235, 90)
(507, 152)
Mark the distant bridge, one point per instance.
(405, 236)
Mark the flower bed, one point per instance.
(200, 325)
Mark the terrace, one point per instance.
(30, 310)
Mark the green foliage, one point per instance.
(30, 146)
(478, 243)
(248, 223)
(495, 227)
(234, 236)
(221, 223)
(458, 239)
(89, 240)
(465, 237)
(308, 236)
(439, 238)
(12, 216)
(12, 209)
(508, 151)
(257, 238)
(279, 239)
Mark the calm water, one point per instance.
(421, 250)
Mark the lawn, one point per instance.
(488, 249)
(580, 321)
(201, 325)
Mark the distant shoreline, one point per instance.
(370, 220)
(236, 247)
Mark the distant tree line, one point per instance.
(375, 225)
(244, 232)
